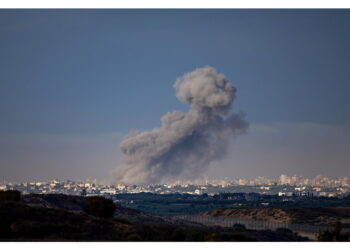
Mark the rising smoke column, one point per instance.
(186, 143)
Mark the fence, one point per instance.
(257, 224)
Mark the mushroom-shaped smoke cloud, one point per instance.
(186, 143)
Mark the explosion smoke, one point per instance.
(186, 143)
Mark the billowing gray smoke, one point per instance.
(186, 143)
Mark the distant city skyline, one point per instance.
(74, 83)
(283, 179)
(290, 186)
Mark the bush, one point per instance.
(239, 227)
(122, 220)
(133, 237)
(283, 230)
(334, 235)
(100, 207)
(10, 195)
(241, 237)
(178, 234)
(212, 237)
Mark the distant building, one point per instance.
(108, 191)
(197, 191)
(83, 192)
(252, 196)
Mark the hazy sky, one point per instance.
(74, 82)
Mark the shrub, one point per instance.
(239, 227)
(178, 234)
(334, 235)
(122, 220)
(100, 207)
(283, 230)
(212, 237)
(133, 237)
(241, 237)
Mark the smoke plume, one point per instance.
(186, 143)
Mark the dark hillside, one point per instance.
(21, 222)
(300, 215)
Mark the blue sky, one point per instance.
(82, 75)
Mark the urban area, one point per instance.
(283, 186)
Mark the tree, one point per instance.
(10, 195)
(100, 207)
(334, 235)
